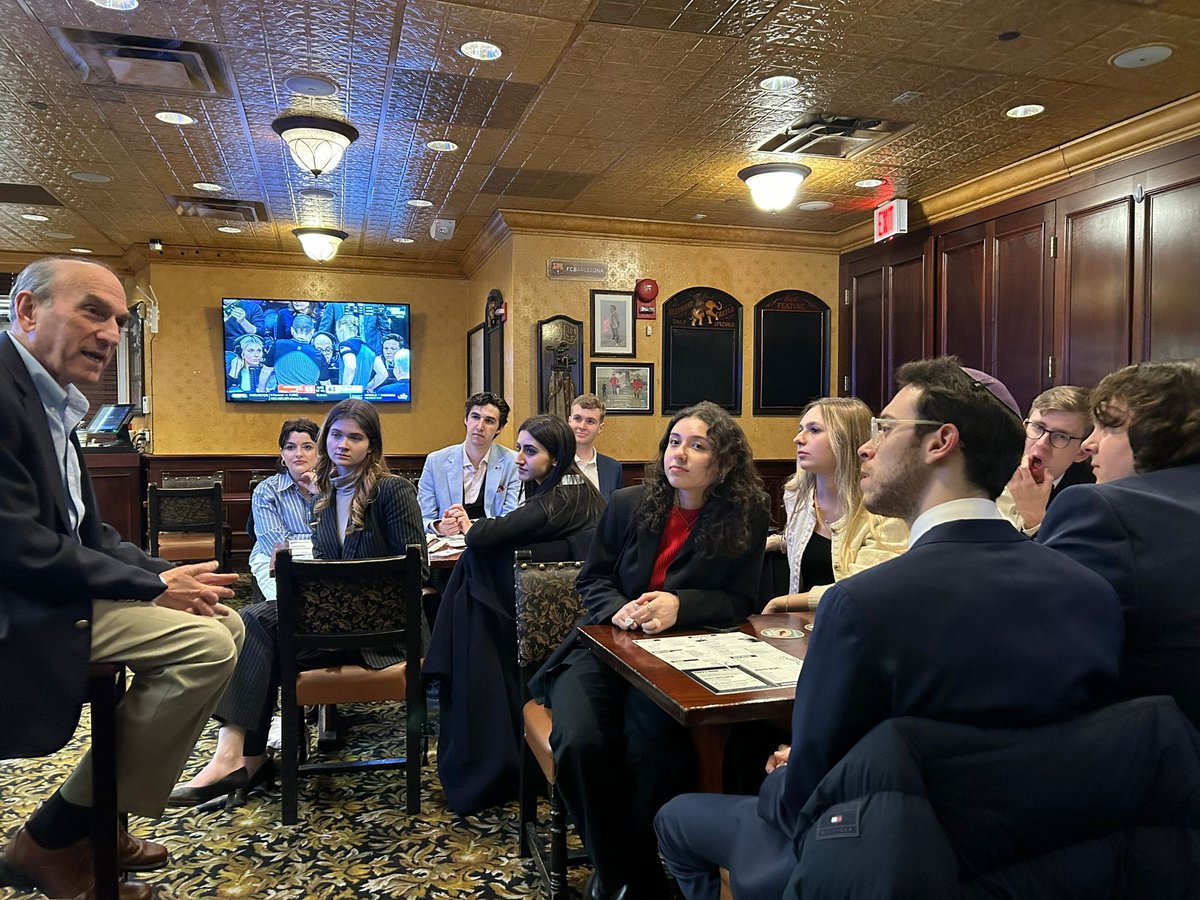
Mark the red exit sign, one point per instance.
(890, 219)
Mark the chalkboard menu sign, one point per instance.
(702, 350)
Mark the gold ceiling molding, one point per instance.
(16, 260)
(1161, 127)
(267, 259)
(571, 225)
(488, 241)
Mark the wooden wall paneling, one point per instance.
(867, 372)
(907, 319)
(1022, 290)
(964, 314)
(119, 483)
(1165, 290)
(1094, 282)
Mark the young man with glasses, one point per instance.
(975, 624)
(1137, 525)
(1054, 459)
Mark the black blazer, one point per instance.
(49, 578)
(718, 591)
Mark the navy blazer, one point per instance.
(50, 578)
(975, 624)
(612, 477)
(1140, 534)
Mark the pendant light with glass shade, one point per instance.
(316, 143)
(773, 186)
(320, 244)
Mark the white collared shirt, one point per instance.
(590, 469)
(953, 511)
(473, 476)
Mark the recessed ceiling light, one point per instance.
(1140, 57)
(210, 186)
(481, 50)
(174, 118)
(60, 235)
(402, 241)
(310, 85)
(120, 5)
(779, 83)
(419, 203)
(34, 217)
(442, 146)
(229, 229)
(869, 182)
(1025, 110)
(90, 177)
(815, 206)
(317, 194)
(80, 250)
(699, 217)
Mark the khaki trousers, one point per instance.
(180, 664)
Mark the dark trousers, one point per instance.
(253, 692)
(701, 833)
(619, 759)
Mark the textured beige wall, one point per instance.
(185, 360)
(747, 274)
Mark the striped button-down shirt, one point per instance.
(281, 510)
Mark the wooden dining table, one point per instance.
(705, 713)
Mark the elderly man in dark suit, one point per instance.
(975, 624)
(1137, 526)
(73, 592)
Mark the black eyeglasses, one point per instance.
(1059, 439)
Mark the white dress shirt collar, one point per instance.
(952, 511)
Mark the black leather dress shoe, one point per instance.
(592, 890)
(237, 780)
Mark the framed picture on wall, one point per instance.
(559, 364)
(613, 325)
(475, 365)
(625, 388)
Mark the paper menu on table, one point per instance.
(727, 662)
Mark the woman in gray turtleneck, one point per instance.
(362, 511)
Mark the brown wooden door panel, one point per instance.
(866, 298)
(906, 317)
(1095, 281)
(1172, 254)
(1022, 300)
(962, 295)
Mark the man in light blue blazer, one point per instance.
(474, 479)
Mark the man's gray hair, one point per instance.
(38, 277)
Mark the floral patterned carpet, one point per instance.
(354, 838)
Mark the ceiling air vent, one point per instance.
(133, 62)
(833, 137)
(226, 210)
(27, 195)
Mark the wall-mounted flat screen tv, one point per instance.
(313, 351)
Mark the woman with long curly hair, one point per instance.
(473, 652)
(829, 534)
(684, 550)
(361, 511)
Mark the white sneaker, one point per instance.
(275, 735)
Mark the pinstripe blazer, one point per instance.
(393, 521)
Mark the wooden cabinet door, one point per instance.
(1094, 282)
(890, 321)
(1165, 293)
(963, 296)
(1021, 289)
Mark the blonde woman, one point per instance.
(829, 535)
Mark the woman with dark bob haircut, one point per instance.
(474, 648)
(361, 511)
(683, 550)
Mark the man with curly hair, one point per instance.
(1137, 525)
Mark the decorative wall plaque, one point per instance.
(702, 349)
(791, 352)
